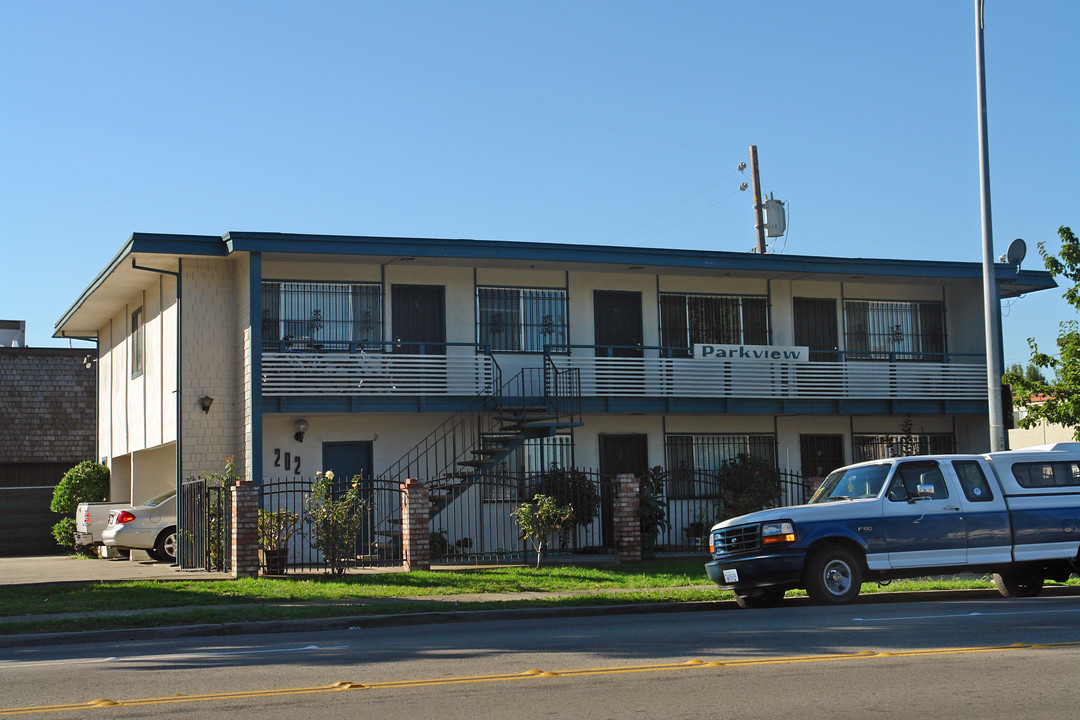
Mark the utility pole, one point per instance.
(759, 223)
(991, 303)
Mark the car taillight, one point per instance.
(124, 517)
(86, 516)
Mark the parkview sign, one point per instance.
(760, 353)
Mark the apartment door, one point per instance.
(619, 454)
(815, 327)
(821, 454)
(347, 460)
(419, 319)
(617, 323)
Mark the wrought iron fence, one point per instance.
(205, 526)
(472, 521)
(378, 541)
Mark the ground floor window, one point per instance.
(878, 446)
(693, 460)
(506, 482)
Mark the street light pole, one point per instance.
(991, 303)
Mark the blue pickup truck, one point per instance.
(1015, 514)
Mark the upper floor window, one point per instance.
(520, 319)
(894, 330)
(712, 319)
(322, 315)
(138, 344)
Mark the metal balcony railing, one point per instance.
(955, 377)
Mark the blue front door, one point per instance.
(348, 460)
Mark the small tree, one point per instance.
(86, 482)
(1056, 401)
(539, 519)
(335, 516)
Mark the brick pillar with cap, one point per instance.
(245, 529)
(415, 525)
(627, 524)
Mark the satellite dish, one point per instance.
(1016, 253)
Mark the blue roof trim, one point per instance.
(569, 253)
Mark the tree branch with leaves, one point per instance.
(1056, 401)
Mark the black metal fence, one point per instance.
(472, 519)
(378, 541)
(205, 527)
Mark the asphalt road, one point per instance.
(985, 658)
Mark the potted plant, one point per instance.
(652, 508)
(276, 527)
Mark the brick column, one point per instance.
(245, 529)
(415, 525)
(627, 524)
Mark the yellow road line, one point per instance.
(527, 675)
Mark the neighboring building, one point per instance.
(1042, 434)
(12, 333)
(48, 412)
(295, 353)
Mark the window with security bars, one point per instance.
(894, 330)
(879, 446)
(322, 315)
(694, 460)
(520, 319)
(712, 319)
(534, 456)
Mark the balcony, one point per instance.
(305, 369)
(652, 383)
(904, 376)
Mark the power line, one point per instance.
(676, 207)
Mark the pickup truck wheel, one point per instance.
(1018, 584)
(833, 576)
(165, 546)
(764, 599)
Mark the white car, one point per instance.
(150, 527)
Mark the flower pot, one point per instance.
(274, 562)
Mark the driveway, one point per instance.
(61, 568)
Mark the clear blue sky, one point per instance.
(543, 121)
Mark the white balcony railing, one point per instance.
(316, 373)
(337, 374)
(683, 377)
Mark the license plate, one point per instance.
(731, 576)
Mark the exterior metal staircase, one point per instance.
(535, 403)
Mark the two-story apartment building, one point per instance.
(294, 353)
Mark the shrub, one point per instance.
(573, 488)
(335, 517)
(747, 484)
(86, 482)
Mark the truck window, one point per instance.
(1046, 474)
(973, 481)
(855, 483)
(909, 476)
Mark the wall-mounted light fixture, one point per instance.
(301, 428)
(205, 402)
(88, 361)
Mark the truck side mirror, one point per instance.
(925, 491)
